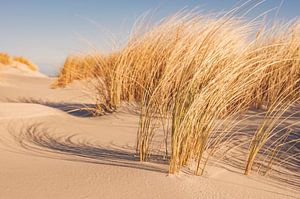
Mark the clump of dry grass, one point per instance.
(85, 66)
(193, 76)
(187, 72)
(76, 67)
(5, 59)
(275, 52)
(208, 79)
(27, 62)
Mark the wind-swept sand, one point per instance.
(49, 151)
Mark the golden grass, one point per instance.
(79, 67)
(5, 59)
(274, 117)
(27, 62)
(193, 76)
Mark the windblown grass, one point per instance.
(268, 132)
(192, 77)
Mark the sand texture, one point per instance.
(51, 149)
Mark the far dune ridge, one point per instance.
(6, 59)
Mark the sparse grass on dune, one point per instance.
(5, 59)
(193, 76)
(27, 62)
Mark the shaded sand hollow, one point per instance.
(49, 151)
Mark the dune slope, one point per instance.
(49, 149)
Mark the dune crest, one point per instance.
(18, 65)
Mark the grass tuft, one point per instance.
(5, 59)
(193, 76)
(27, 62)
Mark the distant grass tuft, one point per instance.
(27, 62)
(5, 59)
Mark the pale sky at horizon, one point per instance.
(46, 31)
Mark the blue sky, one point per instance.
(46, 31)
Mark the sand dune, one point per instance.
(49, 151)
(20, 69)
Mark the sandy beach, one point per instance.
(48, 151)
(150, 99)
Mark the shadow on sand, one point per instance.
(282, 165)
(80, 109)
(74, 109)
(38, 140)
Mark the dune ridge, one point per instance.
(17, 61)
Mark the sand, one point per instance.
(47, 151)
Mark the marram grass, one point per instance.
(192, 76)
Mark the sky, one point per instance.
(47, 31)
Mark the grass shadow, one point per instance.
(285, 167)
(41, 142)
(74, 109)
